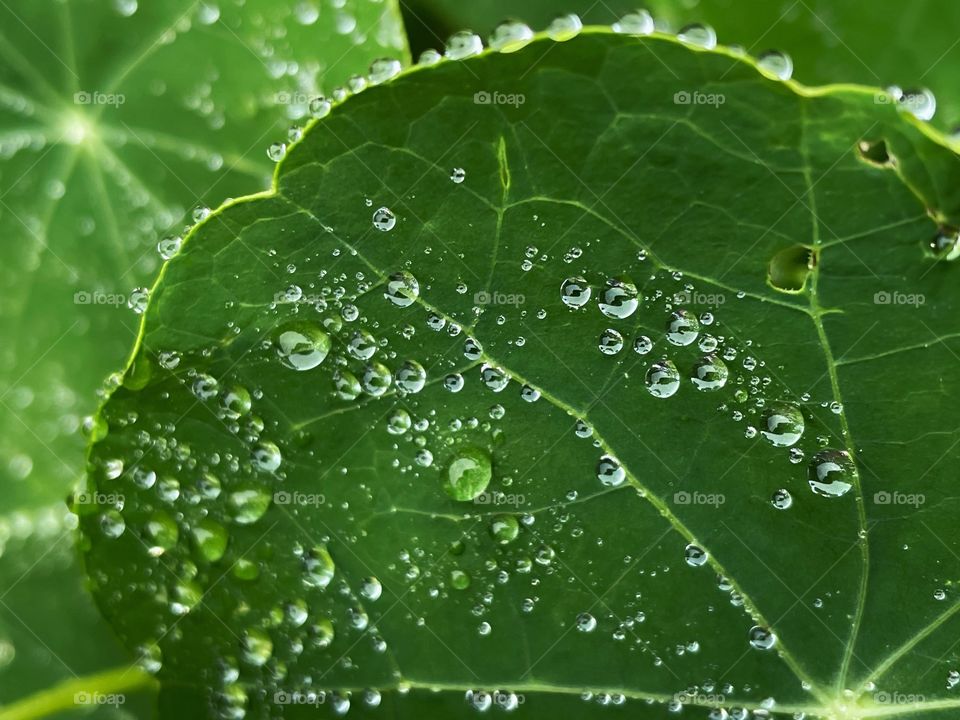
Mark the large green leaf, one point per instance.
(910, 44)
(261, 500)
(114, 120)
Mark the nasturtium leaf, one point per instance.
(674, 541)
(116, 118)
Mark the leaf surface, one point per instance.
(296, 470)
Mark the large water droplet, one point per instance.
(663, 379)
(682, 327)
(709, 373)
(761, 638)
(468, 474)
(318, 567)
(301, 345)
(699, 35)
(695, 555)
(510, 36)
(610, 472)
(462, 45)
(832, 473)
(639, 22)
(775, 64)
(619, 299)
(402, 289)
(384, 219)
(565, 27)
(782, 424)
(575, 292)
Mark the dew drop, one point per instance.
(383, 69)
(682, 327)
(384, 219)
(468, 474)
(695, 555)
(575, 292)
(301, 345)
(781, 499)
(782, 424)
(611, 342)
(761, 638)
(775, 64)
(832, 473)
(709, 373)
(462, 45)
(699, 35)
(619, 299)
(639, 22)
(586, 622)
(610, 472)
(663, 379)
(402, 289)
(510, 36)
(565, 27)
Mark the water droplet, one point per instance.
(429, 57)
(138, 300)
(921, 103)
(235, 402)
(782, 424)
(247, 505)
(402, 289)
(505, 529)
(610, 472)
(682, 327)
(832, 473)
(639, 22)
(468, 474)
(781, 499)
(301, 345)
(699, 35)
(575, 292)
(775, 64)
(510, 36)
(257, 647)
(371, 589)
(695, 555)
(453, 382)
(210, 538)
(377, 379)
(462, 45)
(458, 175)
(320, 107)
(383, 69)
(619, 299)
(411, 377)
(586, 622)
(709, 373)
(112, 524)
(459, 580)
(266, 456)
(663, 379)
(642, 345)
(611, 342)
(276, 151)
(761, 638)
(169, 246)
(494, 378)
(384, 219)
(163, 531)
(318, 567)
(565, 27)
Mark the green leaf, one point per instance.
(467, 276)
(114, 120)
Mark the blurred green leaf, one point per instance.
(459, 316)
(116, 120)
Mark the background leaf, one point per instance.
(295, 531)
(115, 119)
